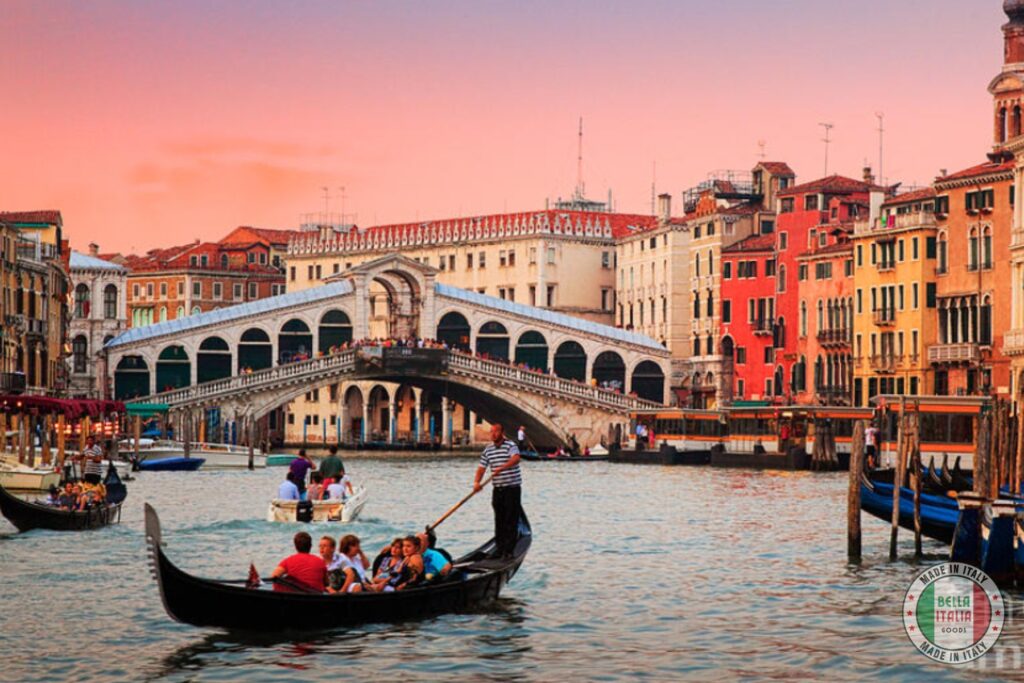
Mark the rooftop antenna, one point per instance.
(654, 182)
(341, 193)
(327, 199)
(827, 140)
(881, 134)
(579, 163)
(761, 145)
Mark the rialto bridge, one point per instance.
(506, 362)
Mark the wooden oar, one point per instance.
(455, 507)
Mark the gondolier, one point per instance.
(502, 457)
(92, 461)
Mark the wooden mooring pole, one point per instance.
(250, 427)
(853, 537)
(900, 467)
(915, 456)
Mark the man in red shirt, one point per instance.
(302, 568)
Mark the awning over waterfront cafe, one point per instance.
(70, 408)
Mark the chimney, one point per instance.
(664, 207)
(943, 173)
(94, 249)
(869, 177)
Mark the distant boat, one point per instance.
(280, 459)
(19, 477)
(27, 515)
(318, 511)
(172, 465)
(217, 455)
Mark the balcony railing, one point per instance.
(919, 219)
(839, 336)
(884, 363)
(1013, 342)
(761, 326)
(886, 266)
(954, 353)
(884, 316)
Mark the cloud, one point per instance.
(220, 146)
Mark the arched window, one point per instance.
(709, 345)
(224, 261)
(79, 353)
(1015, 128)
(803, 318)
(163, 314)
(110, 302)
(697, 265)
(196, 310)
(821, 316)
(781, 284)
(1001, 124)
(711, 262)
(972, 249)
(943, 255)
(81, 301)
(986, 321)
(696, 346)
(986, 247)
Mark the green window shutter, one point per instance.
(930, 248)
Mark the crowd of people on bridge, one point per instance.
(614, 386)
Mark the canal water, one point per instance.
(635, 572)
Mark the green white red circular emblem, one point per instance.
(953, 613)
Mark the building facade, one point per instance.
(98, 314)
(37, 316)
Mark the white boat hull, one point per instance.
(23, 478)
(217, 456)
(323, 510)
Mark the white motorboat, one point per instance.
(217, 455)
(19, 477)
(323, 510)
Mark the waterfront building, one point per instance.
(724, 209)
(822, 369)
(98, 314)
(747, 318)
(897, 264)
(813, 216)
(35, 316)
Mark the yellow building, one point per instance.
(895, 298)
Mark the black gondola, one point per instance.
(477, 578)
(27, 516)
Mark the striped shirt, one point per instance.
(91, 466)
(496, 456)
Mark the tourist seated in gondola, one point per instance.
(92, 496)
(315, 491)
(288, 490)
(412, 564)
(53, 496)
(332, 558)
(303, 569)
(436, 565)
(69, 497)
(388, 568)
(354, 564)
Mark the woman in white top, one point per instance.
(354, 563)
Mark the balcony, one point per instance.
(886, 266)
(884, 363)
(834, 337)
(761, 327)
(884, 317)
(954, 353)
(12, 382)
(1017, 239)
(1013, 343)
(919, 219)
(833, 395)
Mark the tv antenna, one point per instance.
(327, 198)
(761, 145)
(881, 135)
(827, 140)
(341, 194)
(654, 182)
(579, 163)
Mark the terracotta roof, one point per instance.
(45, 216)
(833, 184)
(835, 248)
(914, 196)
(753, 243)
(271, 236)
(981, 169)
(776, 167)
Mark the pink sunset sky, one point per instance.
(149, 124)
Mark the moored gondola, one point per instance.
(477, 578)
(26, 515)
(938, 515)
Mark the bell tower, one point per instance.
(1007, 88)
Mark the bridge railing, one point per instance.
(466, 363)
(549, 383)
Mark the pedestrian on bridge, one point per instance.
(502, 457)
